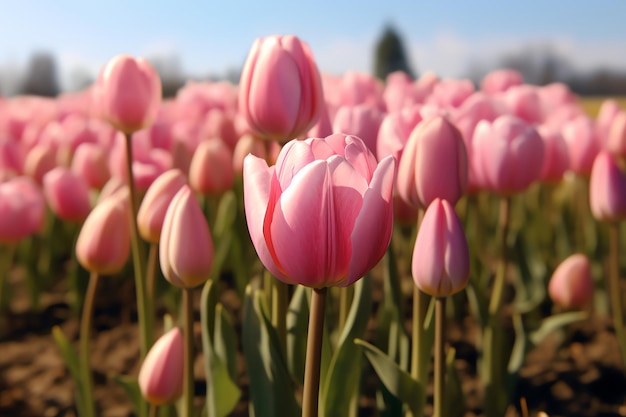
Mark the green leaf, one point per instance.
(297, 327)
(225, 340)
(271, 389)
(396, 380)
(131, 388)
(520, 346)
(226, 213)
(554, 323)
(73, 365)
(222, 393)
(344, 373)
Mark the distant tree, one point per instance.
(169, 69)
(41, 76)
(390, 55)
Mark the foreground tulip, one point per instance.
(186, 247)
(571, 285)
(155, 203)
(607, 189)
(128, 93)
(161, 374)
(433, 164)
(280, 92)
(323, 215)
(67, 194)
(441, 254)
(103, 244)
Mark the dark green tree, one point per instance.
(390, 55)
(41, 76)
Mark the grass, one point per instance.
(591, 104)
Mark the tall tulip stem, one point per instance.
(614, 289)
(310, 395)
(143, 303)
(440, 368)
(188, 381)
(85, 336)
(279, 311)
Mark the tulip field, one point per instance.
(316, 245)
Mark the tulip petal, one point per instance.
(372, 228)
(256, 190)
(301, 226)
(293, 157)
(428, 253)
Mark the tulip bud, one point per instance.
(39, 160)
(103, 244)
(433, 164)
(22, 209)
(186, 247)
(571, 285)
(67, 194)
(500, 80)
(607, 189)
(441, 255)
(280, 91)
(154, 205)
(579, 134)
(211, 170)
(616, 143)
(90, 161)
(161, 373)
(128, 93)
(360, 120)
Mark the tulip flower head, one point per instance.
(607, 189)
(67, 194)
(571, 285)
(128, 93)
(186, 247)
(161, 374)
(441, 255)
(280, 92)
(322, 216)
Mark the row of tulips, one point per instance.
(327, 175)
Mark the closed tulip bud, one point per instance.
(360, 120)
(571, 285)
(501, 80)
(441, 255)
(280, 91)
(501, 154)
(579, 134)
(128, 93)
(161, 373)
(67, 194)
(22, 209)
(103, 244)
(90, 161)
(607, 189)
(151, 213)
(616, 143)
(186, 247)
(39, 160)
(433, 164)
(211, 170)
(556, 156)
(322, 216)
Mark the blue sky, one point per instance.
(211, 37)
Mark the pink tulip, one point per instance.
(400, 92)
(218, 124)
(607, 113)
(581, 142)
(607, 189)
(151, 213)
(161, 373)
(322, 216)
(361, 120)
(571, 284)
(556, 156)
(211, 170)
(616, 141)
(22, 209)
(450, 93)
(395, 130)
(39, 160)
(524, 102)
(67, 194)
(499, 81)
(441, 255)
(90, 162)
(502, 152)
(128, 93)
(322, 127)
(250, 144)
(103, 244)
(186, 247)
(280, 91)
(356, 88)
(433, 164)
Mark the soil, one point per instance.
(577, 373)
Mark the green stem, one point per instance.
(614, 289)
(344, 306)
(6, 262)
(143, 304)
(151, 272)
(188, 383)
(85, 336)
(153, 410)
(440, 367)
(494, 367)
(311, 388)
(279, 311)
